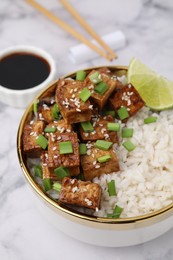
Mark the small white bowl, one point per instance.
(21, 98)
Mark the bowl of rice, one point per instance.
(107, 182)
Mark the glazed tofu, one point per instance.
(55, 159)
(100, 130)
(101, 99)
(72, 108)
(61, 125)
(80, 193)
(92, 168)
(30, 134)
(45, 113)
(128, 97)
(47, 171)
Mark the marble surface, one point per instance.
(148, 26)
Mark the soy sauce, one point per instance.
(23, 71)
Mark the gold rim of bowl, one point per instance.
(92, 221)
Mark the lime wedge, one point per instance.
(154, 89)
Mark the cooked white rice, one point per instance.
(145, 182)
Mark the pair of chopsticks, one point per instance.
(108, 53)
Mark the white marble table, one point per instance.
(148, 26)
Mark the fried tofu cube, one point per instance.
(45, 113)
(55, 159)
(72, 108)
(92, 168)
(129, 98)
(30, 134)
(101, 99)
(100, 130)
(80, 193)
(47, 171)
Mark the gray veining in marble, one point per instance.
(148, 26)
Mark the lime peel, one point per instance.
(154, 89)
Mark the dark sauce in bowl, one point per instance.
(23, 70)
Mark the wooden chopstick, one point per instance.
(68, 28)
(87, 27)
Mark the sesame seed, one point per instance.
(74, 189)
(91, 107)
(77, 109)
(62, 83)
(68, 130)
(97, 209)
(86, 134)
(54, 148)
(88, 202)
(55, 156)
(97, 166)
(44, 164)
(94, 163)
(31, 122)
(88, 152)
(75, 90)
(52, 101)
(32, 133)
(73, 96)
(72, 181)
(71, 91)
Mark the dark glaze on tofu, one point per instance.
(67, 128)
(81, 193)
(128, 97)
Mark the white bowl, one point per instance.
(94, 230)
(21, 98)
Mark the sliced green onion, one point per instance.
(111, 188)
(110, 112)
(87, 126)
(55, 112)
(101, 88)
(127, 132)
(95, 77)
(82, 149)
(38, 171)
(113, 127)
(61, 172)
(123, 113)
(104, 158)
(47, 184)
(116, 213)
(42, 141)
(103, 145)
(129, 146)
(50, 129)
(150, 120)
(80, 75)
(85, 94)
(65, 147)
(35, 106)
(57, 186)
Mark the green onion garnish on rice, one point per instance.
(150, 120)
(47, 184)
(57, 186)
(116, 213)
(111, 188)
(127, 132)
(129, 146)
(38, 171)
(61, 172)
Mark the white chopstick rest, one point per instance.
(81, 53)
